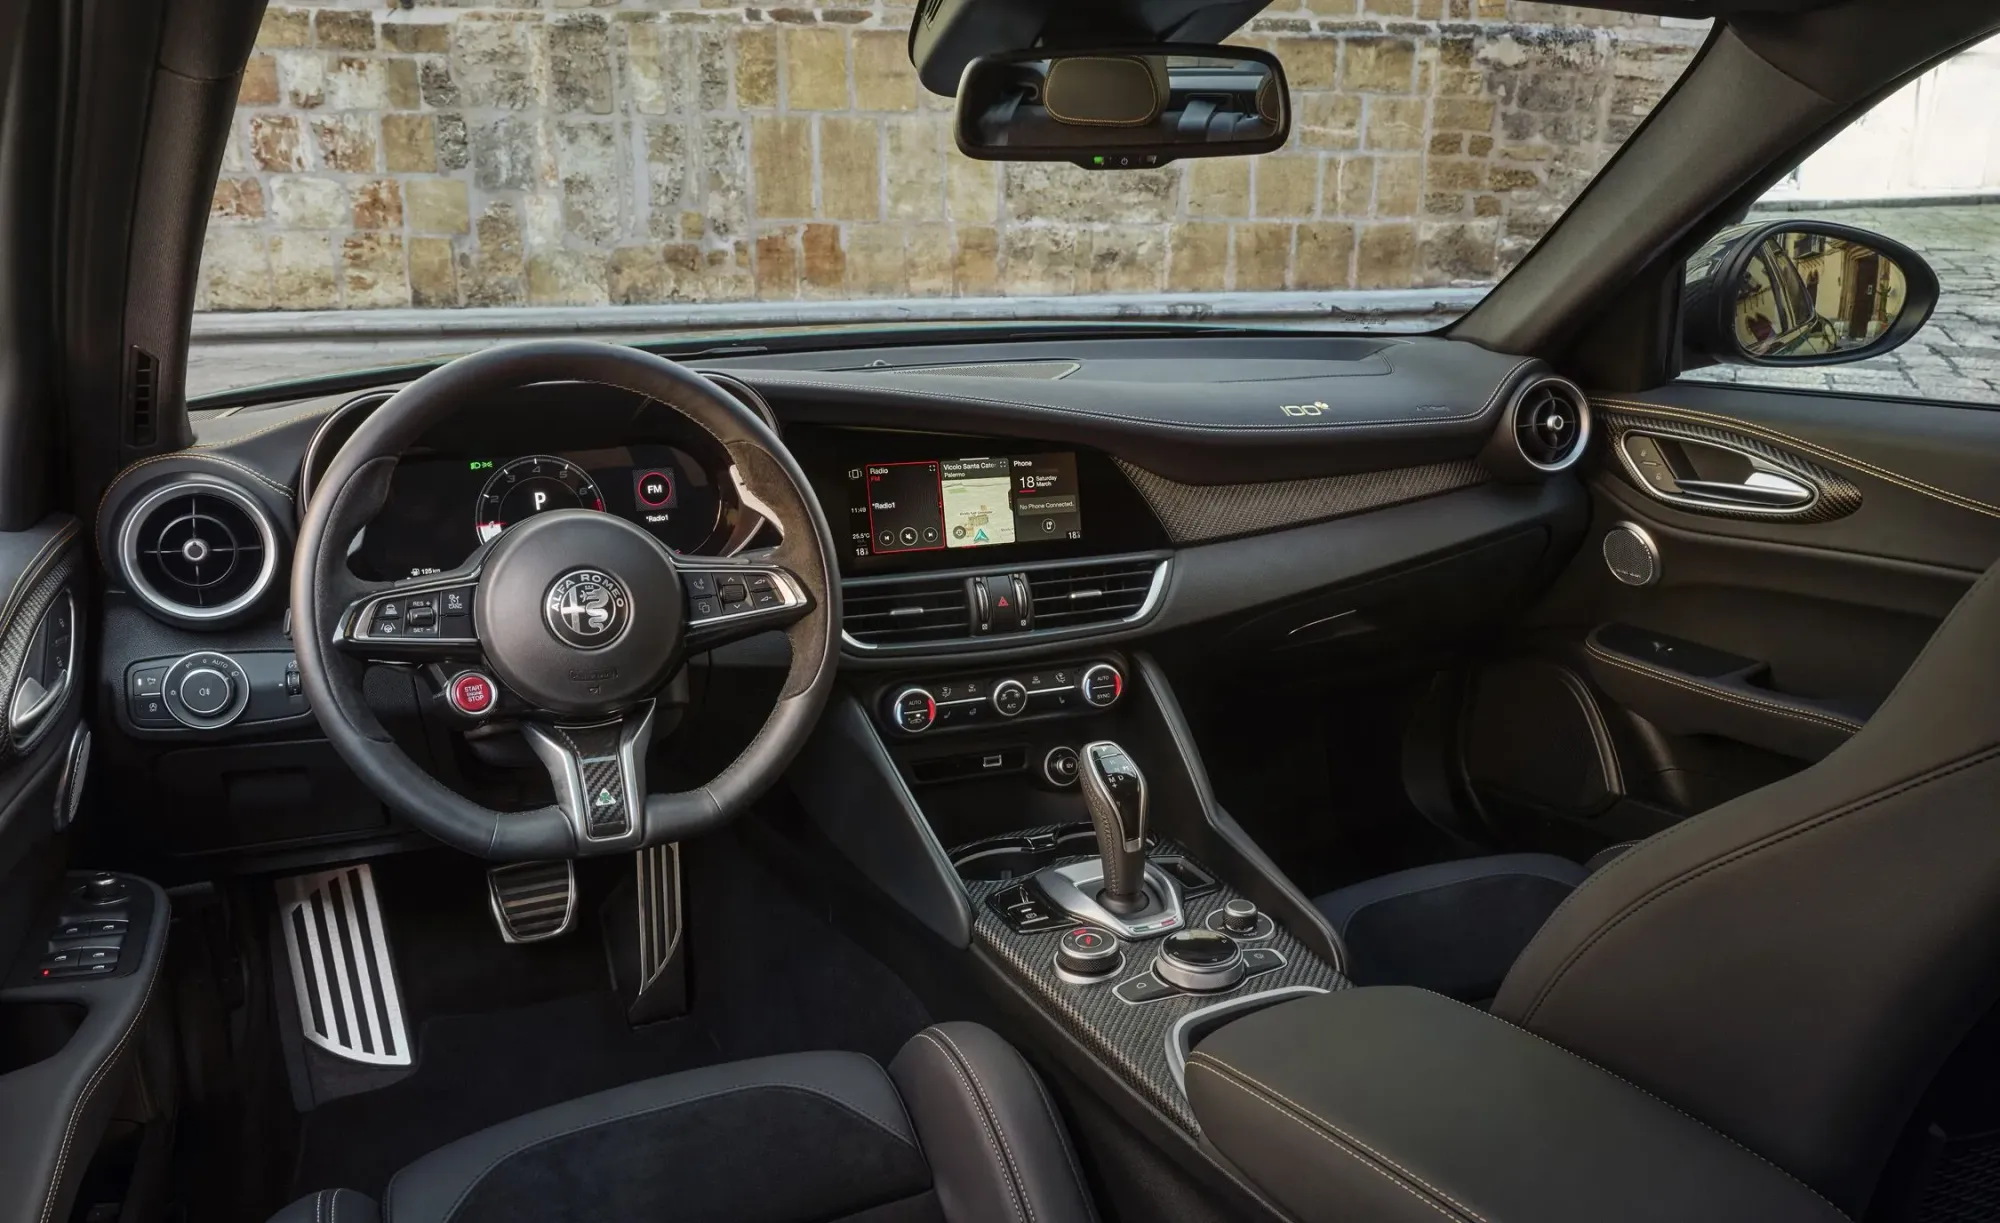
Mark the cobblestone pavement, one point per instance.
(1956, 357)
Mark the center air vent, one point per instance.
(1551, 420)
(1079, 595)
(198, 549)
(905, 612)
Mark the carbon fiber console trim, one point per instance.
(1129, 1036)
(1199, 513)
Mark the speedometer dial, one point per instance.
(528, 486)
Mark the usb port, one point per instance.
(995, 761)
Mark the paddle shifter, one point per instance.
(1115, 792)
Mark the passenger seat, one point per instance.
(1454, 927)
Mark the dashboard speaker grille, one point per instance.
(1089, 594)
(1551, 423)
(910, 611)
(200, 550)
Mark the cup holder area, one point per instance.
(33, 1032)
(1019, 857)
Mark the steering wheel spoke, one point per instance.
(599, 772)
(415, 620)
(729, 600)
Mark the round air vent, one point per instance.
(1551, 419)
(198, 549)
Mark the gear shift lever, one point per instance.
(1115, 792)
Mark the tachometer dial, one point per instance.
(529, 485)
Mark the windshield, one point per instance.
(408, 183)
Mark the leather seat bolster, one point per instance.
(997, 1149)
(1397, 1104)
(697, 1145)
(331, 1206)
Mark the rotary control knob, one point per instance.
(103, 889)
(1102, 685)
(1088, 953)
(1010, 697)
(1199, 961)
(1238, 917)
(913, 711)
(206, 691)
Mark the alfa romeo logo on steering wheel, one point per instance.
(586, 608)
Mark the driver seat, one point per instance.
(958, 1129)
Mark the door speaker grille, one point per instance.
(341, 968)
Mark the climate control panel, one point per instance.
(208, 690)
(983, 699)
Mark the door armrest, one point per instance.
(1391, 1103)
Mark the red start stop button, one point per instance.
(472, 693)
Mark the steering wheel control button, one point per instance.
(1144, 988)
(1060, 766)
(205, 691)
(472, 694)
(914, 711)
(1199, 961)
(587, 609)
(1010, 697)
(1102, 685)
(1087, 955)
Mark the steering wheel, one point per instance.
(582, 615)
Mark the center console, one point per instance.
(1053, 819)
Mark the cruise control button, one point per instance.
(389, 609)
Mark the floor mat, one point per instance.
(477, 1070)
(503, 1030)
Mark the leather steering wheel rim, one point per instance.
(353, 490)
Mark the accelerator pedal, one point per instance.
(532, 901)
(341, 969)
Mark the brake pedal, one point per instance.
(532, 901)
(342, 972)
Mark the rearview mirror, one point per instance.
(1803, 293)
(1124, 109)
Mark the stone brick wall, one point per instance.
(573, 152)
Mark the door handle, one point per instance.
(1763, 488)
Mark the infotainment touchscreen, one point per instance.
(985, 501)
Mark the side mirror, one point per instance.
(1802, 293)
(1123, 109)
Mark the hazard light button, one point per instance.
(472, 694)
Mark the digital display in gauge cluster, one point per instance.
(439, 510)
(986, 501)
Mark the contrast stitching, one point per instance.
(976, 401)
(1656, 1099)
(542, 1139)
(31, 574)
(1836, 721)
(989, 1123)
(1338, 1139)
(319, 1202)
(286, 423)
(1062, 1137)
(1756, 847)
(83, 1098)
(1772, 435)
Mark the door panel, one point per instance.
(1768, 633)
(41, 640)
